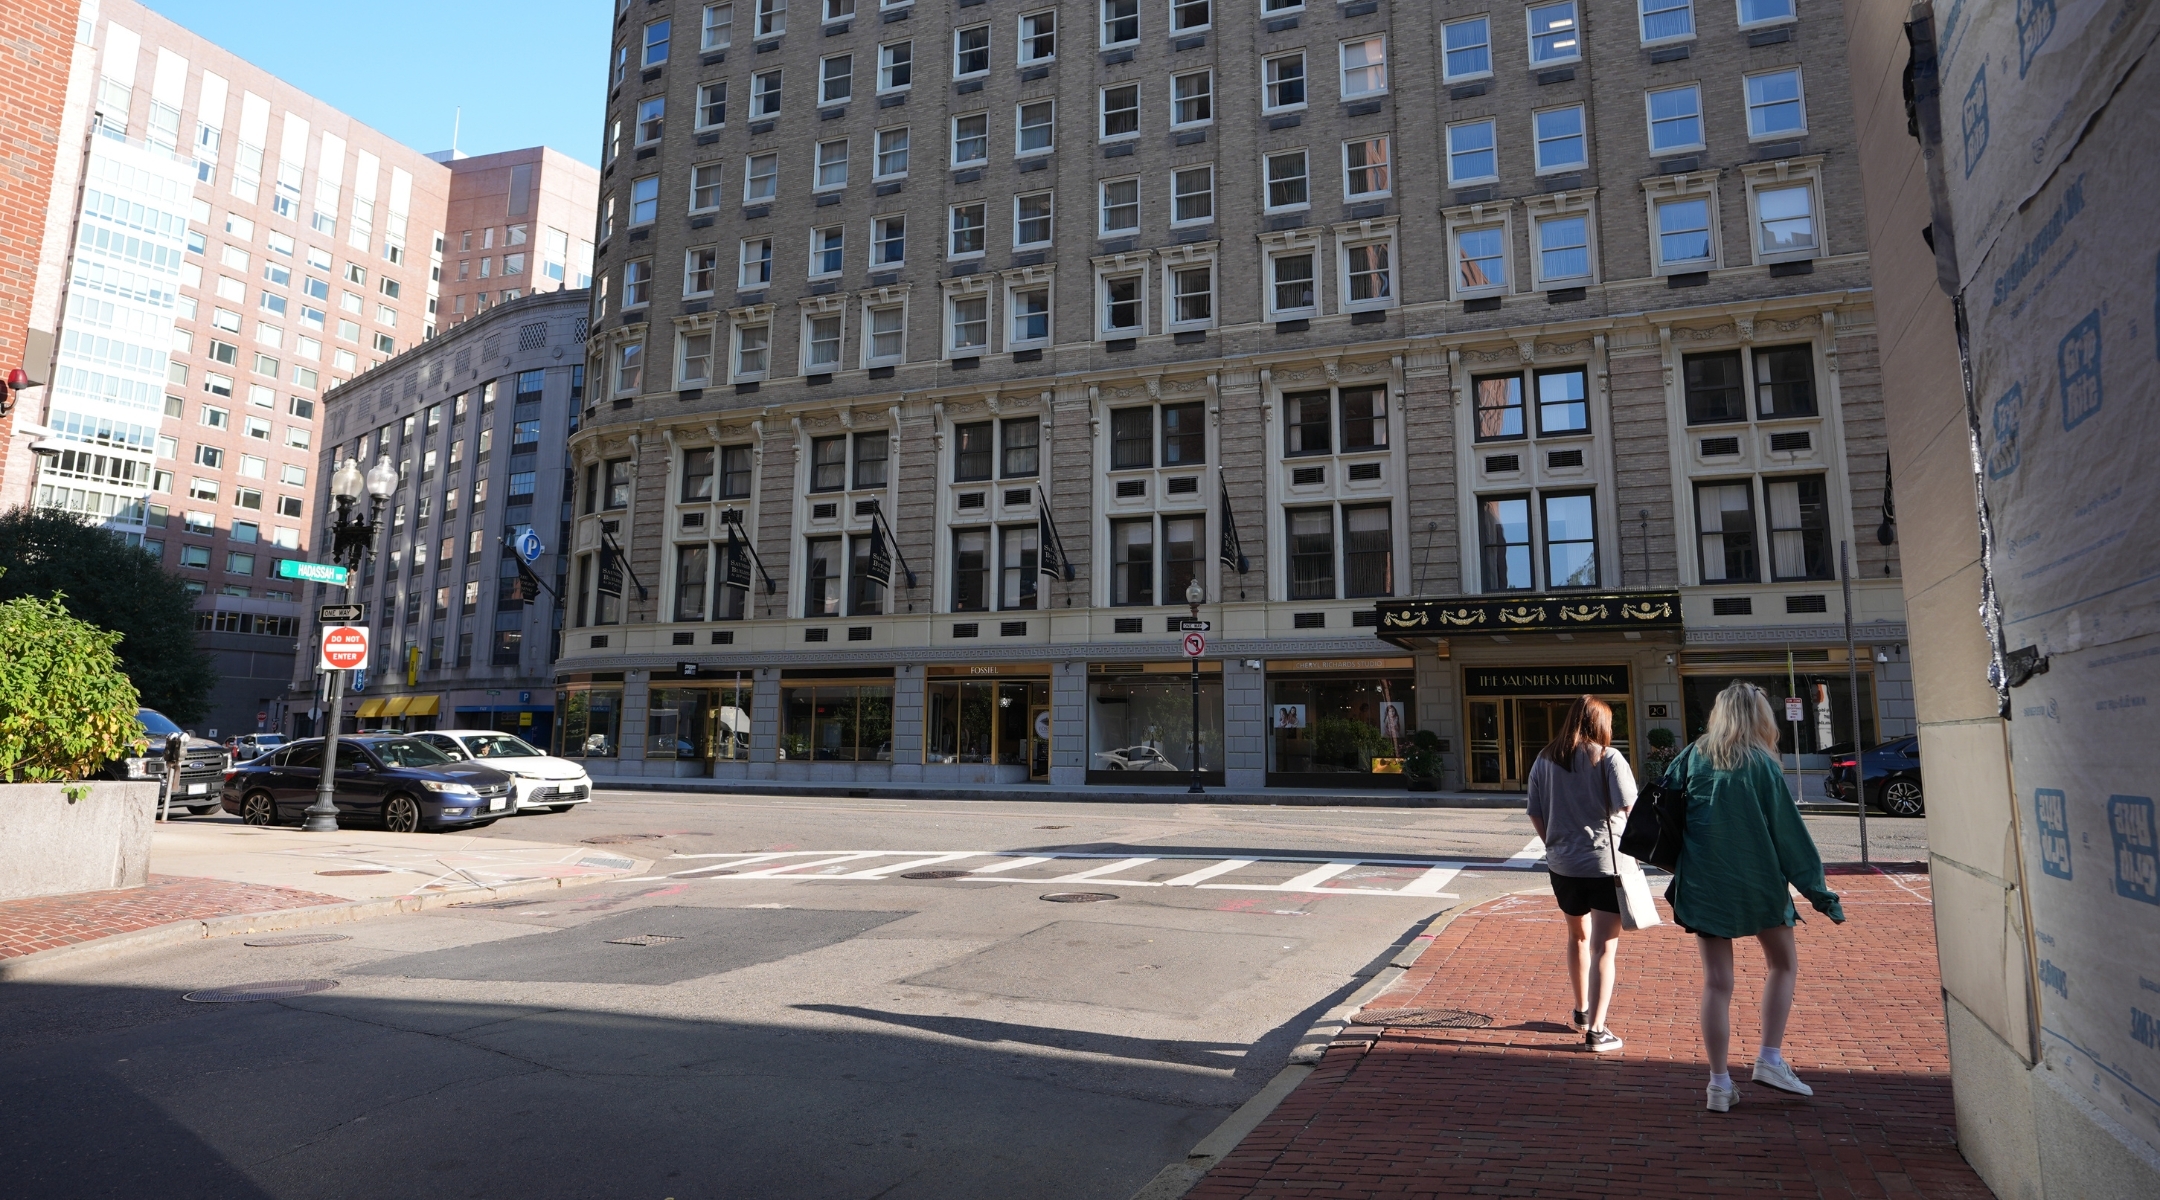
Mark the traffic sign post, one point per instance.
(344, 648)
(1188, 625)
(1195, 645)
(341, 614)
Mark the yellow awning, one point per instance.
(370, 707)
(395, 706)
(424, 706)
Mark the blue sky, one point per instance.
(527, 73)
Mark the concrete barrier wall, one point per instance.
(51, 845)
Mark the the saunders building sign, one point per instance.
(1547, 681)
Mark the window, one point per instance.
(1192, 196)
(209, 456)
(637, 283)
(827, 250)
(197, 557)
(1684, 232)
(1192, 295)
(651, 120)
(1562, 406)
(1120, 22)
(755, 270)
(1725, 514)
(1132, 561)
(1504, 543)
(215, 418)
(1292, 287)
(971, 139)
(645, 200)
(828, 464)
(1121, 305)
(970, 325)
(1019, 553)
(1481, 259)
(836, 79)
(1560, 141)
(734, 472)
(972, 452)
(771, 18)
(1031, 220)
(1774, 105)
(832, 165)
(629, 367)
(1036, 126)
(968, 224)
(258, 428)
(1120, 206)
(1764, 12)
(839, 10)
(1563, 248)
(1675, 119)
(971, 570)
(872, 453)
(1499, 401)
(821, 343)
(1308, 424)
(1019, 448)
(1284, 79)
(761, 177)
(1312, 553)
(1365, 168)
(1364, 67)
(1192, 98)
(1665, 20)
(719, 27)
(1120, 110)
(1368, 550)
(1287, 182)
(1553, 34)
(888, 240)
(1799, 528)
(694, 359)
(1132, 438)
(701, 270)
(821, 591)
(1471, 152)
(1038, 37)
(656, 43)
(896, 66)
(1030, 310)
(1571, 559)
(971, 51)
(1370, 282)
(765, 93)
(1785, 221)
(1467, 47)
(1784, 381)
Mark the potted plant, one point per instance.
(1421, 766)
(1662, 751)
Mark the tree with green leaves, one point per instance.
(118, 587)
(66, 707)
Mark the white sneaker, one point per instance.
(1721, 1099)
(1781, 1077)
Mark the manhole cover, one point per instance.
(242, 993)
(934, 874)
(357, 871)
(645, 939)
(1423, 1018)
(494, 903)
(299, 939)
(1077, 897)
(616, 839)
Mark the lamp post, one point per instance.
(1194, 594)
(351, 537)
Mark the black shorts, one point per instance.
(1578, 895)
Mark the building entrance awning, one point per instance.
(1418, 623)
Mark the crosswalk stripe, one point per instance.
(1013, 864)
(1196, 878)
(1430, 883)
(895, 868)
(770, 872)
(1317, 876)
(725, 865)
(1106, 869)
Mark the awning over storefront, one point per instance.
(395, 706)
(371, 707)
(424, 706)
(1416, 623)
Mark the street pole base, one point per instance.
(1195, 790)
(319, 822)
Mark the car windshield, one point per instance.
(500, 745)
(407, 752)
(155, 723)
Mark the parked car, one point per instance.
(1889, 775)
(541, 780)
(200, 772)
(250, 746)
(1135, 758)
(402, 782)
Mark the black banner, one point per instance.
(611, 571)
(1233, 551)
(1545, 681)
(1564, 612)
(1047, 559)
(880, 566)
(738, 564)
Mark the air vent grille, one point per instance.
(599, 641)
(1364, 472)
(1733, 606)
(824, 512)
(1184, 485)
(864, 508)
(1500, 464)
(1365, 620)
(1798, 439)
(1316, 620)
(723, 637)
(1564, 458)
(1129, 488)
(1305, 476)
(685, 638)
(819, 634)
(858, 633)
(1718, 446)
(1807, 604)
(1018, 497)
(966, 629)
(970, 500)
(1125, 625)
(693, 520)
(1012, 629)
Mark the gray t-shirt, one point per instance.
(1576, 807)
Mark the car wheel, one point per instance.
(401, 814)
(256, 808)
(1902, 798)
(201, 810)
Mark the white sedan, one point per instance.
(539, 780)
(1136, 758)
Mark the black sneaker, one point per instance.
(1601, 1041)
(1579, 1021)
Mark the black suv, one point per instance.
(200, 772)
(402, 782)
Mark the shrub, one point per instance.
(66, 707)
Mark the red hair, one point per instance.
(1588, 726)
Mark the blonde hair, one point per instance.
(1740, 721)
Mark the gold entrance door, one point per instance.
(1536, 723)
(1038, 745)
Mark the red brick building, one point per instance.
(35, 53)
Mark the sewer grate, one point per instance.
(1077, 897)
(299, 939)
(645, 939)
(1423, 1018)
(242, 993)
(357, 871)
(934, 874)
(495, 903)
(616, 839)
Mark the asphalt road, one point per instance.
(836, 1030)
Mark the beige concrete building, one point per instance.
(1468, 358)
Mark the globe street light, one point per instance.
(351, 537)
(1194, 596)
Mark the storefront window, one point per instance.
(829, 722)
(592, 718)
(1142, 720)
(702, 723)
(982, 721)
(1825, 707)
(1342, 725)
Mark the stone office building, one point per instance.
(1468, 358)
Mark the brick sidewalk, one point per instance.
(1521, 1109)
(44, 922)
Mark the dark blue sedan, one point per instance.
(1889, 776)
(402, 782)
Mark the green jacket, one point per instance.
(1745, 841)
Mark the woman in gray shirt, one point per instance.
(1580, 793)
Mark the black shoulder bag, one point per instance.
(1658, 822)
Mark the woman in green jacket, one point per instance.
(1745, 843)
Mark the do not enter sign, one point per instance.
(1195, 645)
(344, 648)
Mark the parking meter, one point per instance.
(175, 755)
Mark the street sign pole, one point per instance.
(1195, 646)
(322, 815)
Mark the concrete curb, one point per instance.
(1037, 792)
(30, 966)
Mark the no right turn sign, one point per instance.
(344, 648)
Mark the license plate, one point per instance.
(496, 803)
(197, 789)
